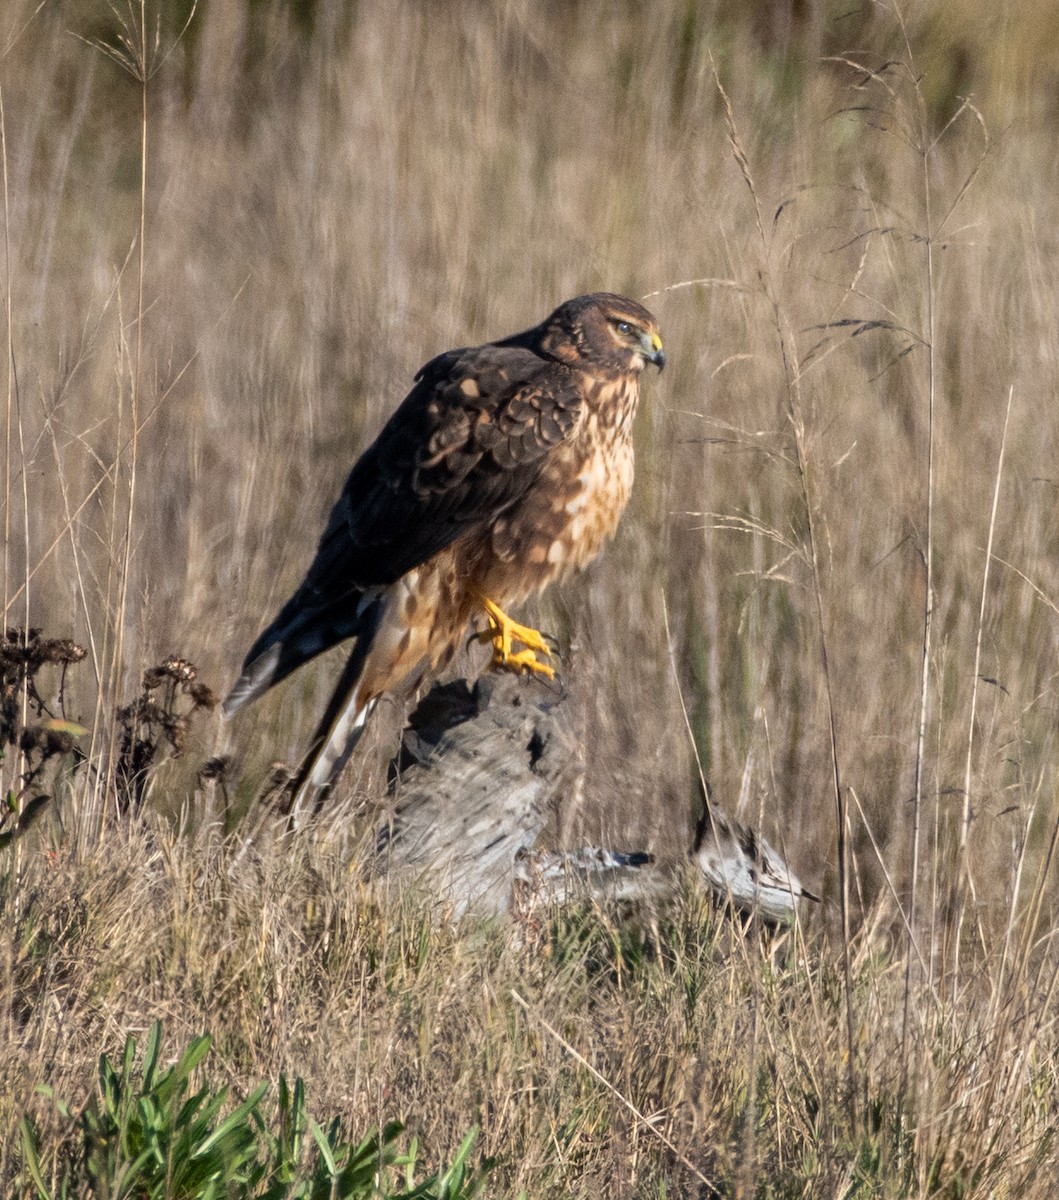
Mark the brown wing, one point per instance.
(466, 443)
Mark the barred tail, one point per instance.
(342, 723)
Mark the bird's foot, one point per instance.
(503, 633)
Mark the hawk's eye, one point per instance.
(623, 327)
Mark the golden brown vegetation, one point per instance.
(227, 250)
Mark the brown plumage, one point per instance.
(506, 467)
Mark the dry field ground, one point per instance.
(219, 275)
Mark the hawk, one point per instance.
(506, 467)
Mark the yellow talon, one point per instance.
(502, 632)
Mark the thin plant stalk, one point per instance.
(134, 399)
(926, 645)
(8, 961)
(647, 1123)
(965, 878)
(10, 356)
(795, 409)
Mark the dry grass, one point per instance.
(224, 261)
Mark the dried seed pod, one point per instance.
(57, 741)
(179, 669)
(216, 769)
(63, 650)
(30, 738)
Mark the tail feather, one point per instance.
(297, 635)
(259, 674)
(341, 741)
(343, 720)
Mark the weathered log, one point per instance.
(479, 770)
(742, 869)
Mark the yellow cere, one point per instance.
(656, 342)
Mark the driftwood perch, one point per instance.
(479, 771)
(479, 768)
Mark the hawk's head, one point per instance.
(603, 333)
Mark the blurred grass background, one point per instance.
(336, 192)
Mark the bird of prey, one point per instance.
(506, 467)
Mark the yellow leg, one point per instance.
(502, 632)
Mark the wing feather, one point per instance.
(467, 442)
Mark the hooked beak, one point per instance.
(652, 350)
